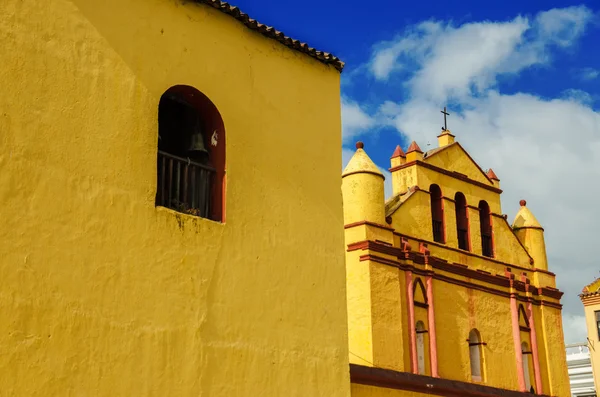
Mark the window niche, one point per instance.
(462, 221)
(437, 214)
(191, 154)
(476, 355)
(597, 314)
(485, 223)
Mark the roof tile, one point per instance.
(268, 31)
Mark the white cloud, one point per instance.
(563, 25)
(546, 151)
(578, 96)
(587, 74)
(354, 120)
(459, 61)
(574, 328)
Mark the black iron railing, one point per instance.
(486, 245)
(184, 185)
(463, 239)
(438, 231)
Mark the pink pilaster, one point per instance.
(431, 320)
(411, 322)
(534, 350)
(514, 311)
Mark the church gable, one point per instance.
(593, 287)
(455, 158)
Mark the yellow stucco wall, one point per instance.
(454, 157)
(456, 317)
(361, 188)
(105, 295)
(534, 239)
(389, 341)
(556, 362)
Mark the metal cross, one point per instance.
(445, 114)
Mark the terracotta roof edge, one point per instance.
(272, 33)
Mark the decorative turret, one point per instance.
(531, 234)
(492, 175)
(398, 157)
(414, 152)
(445, 138)
(362, 189)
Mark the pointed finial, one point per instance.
(360, 145)
(398, 152)
(414, 148)
(523, 203)
(492, 175)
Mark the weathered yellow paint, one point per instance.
(387, 319)
(362, 184)
(105, 295)
(461, 302)
(455, 157)
(556, 361)
(530, 233)
(445, 138)
(450, 186)
(403, 179)
(456, 317)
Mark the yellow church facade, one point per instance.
(445, 297)
(590, 297)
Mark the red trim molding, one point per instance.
(452, 174)
(474, 254)
(390, 379)
(453, 268)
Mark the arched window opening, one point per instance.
(419, 294)
(462, 221)
(421, 331)
(526, 354)
(437, 213)
(485, 223)
(523, 319)
(475, 355)
(191, 154)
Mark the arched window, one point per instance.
(485, 223)
(437, 213)
(419, 294)
(523, 319)
(420, 347)
(191, 154)
(526, 354)
(475, 355)
(462, 221)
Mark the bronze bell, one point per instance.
(196, 145)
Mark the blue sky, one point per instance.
(522, 83)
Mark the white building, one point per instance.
(581, 377)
